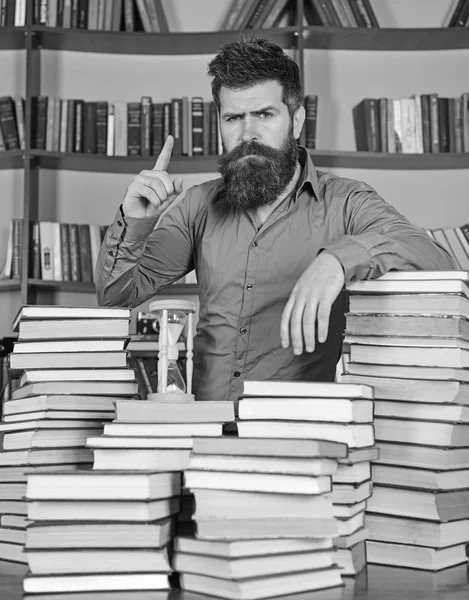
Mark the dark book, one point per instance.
(332, 15)
(78, 144)
(426, 127)
(197, 125)
(8, 123)
(17, 237)
(311, 108)
(34, 252)
(206, 129)
(316, 13)
(133, 129)
(443, 124)
(166, 120)
(366, 124)
(176, 125)
(157, 127)
(84, 243)
(65, 252)
(74, 15)
(75, 271)
(145, 126)
(213, 129)
(70, 136)
(82, 14)
(39, 112)
(60, 13)
(460, 14)
(102, 108)
(452, 124)
(89, 129)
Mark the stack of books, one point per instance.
(331, 411)
(264, 515)
(409, 338)
(71, 366)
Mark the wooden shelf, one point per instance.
(11, 159)
(375, 39)
(208, 164)
(115, 42)
(12, 38)
(89, 288)
(9, 285)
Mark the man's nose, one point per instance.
(249, 130)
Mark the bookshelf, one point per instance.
(41, 49)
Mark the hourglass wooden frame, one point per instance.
(164, 351)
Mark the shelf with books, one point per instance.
(395, 39)
(387, 161)
(120, 42)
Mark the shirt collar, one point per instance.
(309, 175)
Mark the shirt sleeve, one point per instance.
(139, 256)
(379, 239)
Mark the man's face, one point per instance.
(259, 141)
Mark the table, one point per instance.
(374, 583)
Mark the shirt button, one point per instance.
(255, 244)
(236, 373)
(243, 330)
(111, 253)
(119, 223)
(249, 286)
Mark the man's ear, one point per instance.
(298, 121)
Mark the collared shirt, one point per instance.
(246, 274)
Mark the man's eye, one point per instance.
(235, 118)
(265, 114)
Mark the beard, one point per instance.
(255, 174)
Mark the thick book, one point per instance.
(58, 415)
(102, 485)
(354, 435)
(81, 535)
(79, 511)
(64, 345)
(418, 325)
(410, 341)
(38, 584)
(401, 530)
(351, 561)
(135, 442)
(411, 304)
(88, 375)
(421, 411)
(415, 557)
(249, 548)
(410, 286)
(455, 358)
(73, 328)
(252, 528)
(251, 566)
(163, 429)
(308, 389)
(49, 438)
(356, 473)
(68, 360)
(262, 587)
(408, 372)
(58, 403)
(104, 560)
(423, 457)
(150, 459)
(301, 448)
(46, 456)
(351, 493)
(426, 479)
(257, 482)
(306, 409)
(428, 433)
(175, 412)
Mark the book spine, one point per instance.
(35, 252)
(120, 128)
(145, 125)
(434, 124)
(56, 251)
(311, 109)
(70, 131)
(75, 272)
(8, 123)
(82, 14)
(206, 129)
(186, 129)
(213, 129)
(465, 121)
(84, 243)
(383, 124)
(117, 15)
(56, 125)
(197, 125)
(390, 125)
(133, 129)
(19, 114)
(46, 246)
(397, 125)
(89, 129)
(110, 130)
(129, 20)
(443, 123)
(426, 126)
(418, 124)
(63, 125)
(167, 126)
(102, 108)
(65, 251)
(16, 260)
(408, 125)
(157, 128)
(458, 124)
(39, 140)
(176, 129)
(78, 144)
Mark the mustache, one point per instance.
(251, 148)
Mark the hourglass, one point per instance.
(173, 315)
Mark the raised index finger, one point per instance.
(164, 156)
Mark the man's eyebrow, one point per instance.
(253, 112)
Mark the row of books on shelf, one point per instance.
(456, 242)
(121, 128)
(425, 123)
(58, 251)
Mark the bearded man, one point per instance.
(273, 240)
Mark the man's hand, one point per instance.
(153, 191)
(310, 301)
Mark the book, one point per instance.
(249, 548)
(429, 433)
(46, 456)
(412, 341)
(68, 360)
(101, 485)
(456, 358)
(351, 493)
(356, 473)
(418, 325)
(58, 403)
(416, 557)
(401, 530)
(421, 411)
(447, 505)
(38, 584)
(104, 560)
(426, 479)
(262, 587)
(357, 455)
(355, 436)
(351, 560)
(307, 389)
(163, 429)
(179, 412)
(423, 457)
(122, 511)
(87, 375)
(306, 409)
(103, 388)
(414, 390)
(257, 482)
(251, 567)
(220, 504)
(73, 328)
(252, 528)
(48, 438)
(408, 304)
(64, 345)
(59, 415)
(305, 448)
(410, 286)
(408, 372)
(148, 459)
(108, 441)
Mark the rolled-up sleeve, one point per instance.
(379, 239)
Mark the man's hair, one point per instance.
(249, 61)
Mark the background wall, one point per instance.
(340, 78)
